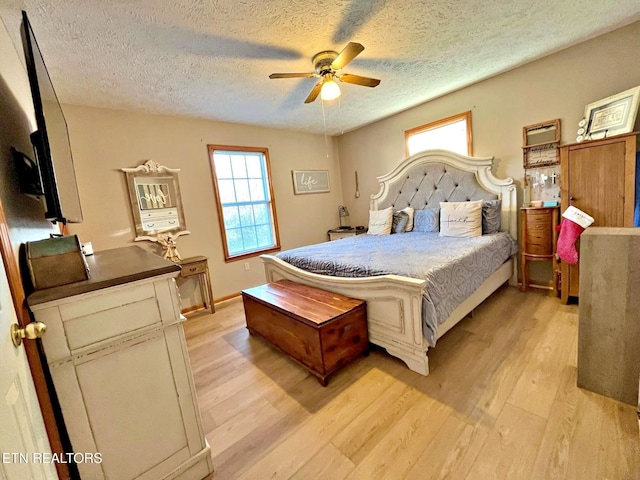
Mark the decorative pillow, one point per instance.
(461, 219)
(380, 221)
(409, 211)
(491, 216)
(426, 220)
(399, 222)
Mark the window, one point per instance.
(452, 133)
(246, 209)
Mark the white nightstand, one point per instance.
(338, 233)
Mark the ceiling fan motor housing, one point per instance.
(322, 61)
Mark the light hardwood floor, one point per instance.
(500, 402)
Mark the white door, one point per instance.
(24, 448)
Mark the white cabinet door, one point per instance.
(134, 410)
(24, 447)
(119, 363)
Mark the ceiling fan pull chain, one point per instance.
(324, 122)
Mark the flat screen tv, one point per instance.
(51, 139)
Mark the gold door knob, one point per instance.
(31, 331)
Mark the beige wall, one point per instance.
(103, 141)
(557, 86)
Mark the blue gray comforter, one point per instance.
(452, 267)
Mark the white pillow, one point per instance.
(409, 211)
(461, 219)
(380, 221)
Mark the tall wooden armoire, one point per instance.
(598, 177)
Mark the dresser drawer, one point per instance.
(160, 224)
(97, 318)
(193, 269)
(537, 219)
(160, 213)
(538, 235)
(539, 247)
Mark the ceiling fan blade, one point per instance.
(314, 93)
(358, 80)
(348, 53)
(292, 75)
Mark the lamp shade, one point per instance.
(330, 90)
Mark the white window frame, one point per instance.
(464, 117)
(270, 200)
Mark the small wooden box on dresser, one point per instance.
(118, 359)
(598, 177)
(538, 240)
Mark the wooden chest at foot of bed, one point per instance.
(323, 331)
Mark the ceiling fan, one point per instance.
(327, 64)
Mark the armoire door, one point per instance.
(595, 179)
(596, 182)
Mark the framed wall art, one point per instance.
(613, 115)
(310, 181)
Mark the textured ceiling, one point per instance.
(211, 58)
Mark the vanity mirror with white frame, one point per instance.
(156, 205)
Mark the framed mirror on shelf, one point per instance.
(541, 144)
(156, 205)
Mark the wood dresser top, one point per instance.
(309, 303)
(108, 269)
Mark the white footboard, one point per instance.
(394, 307)
(394, 303)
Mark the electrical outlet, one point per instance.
(247, 266)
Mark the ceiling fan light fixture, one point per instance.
(326, 64)
(330, 89)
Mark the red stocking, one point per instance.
(573, 224)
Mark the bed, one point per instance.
(397, 304)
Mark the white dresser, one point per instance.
(118, 359)
(160, 219)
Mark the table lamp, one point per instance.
(343, 213)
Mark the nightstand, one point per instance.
(338, 233)
(538, 241)
(199, 266)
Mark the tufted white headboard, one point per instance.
(427, 178)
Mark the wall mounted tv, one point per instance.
(51, 140)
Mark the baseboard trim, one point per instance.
(226, 297)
